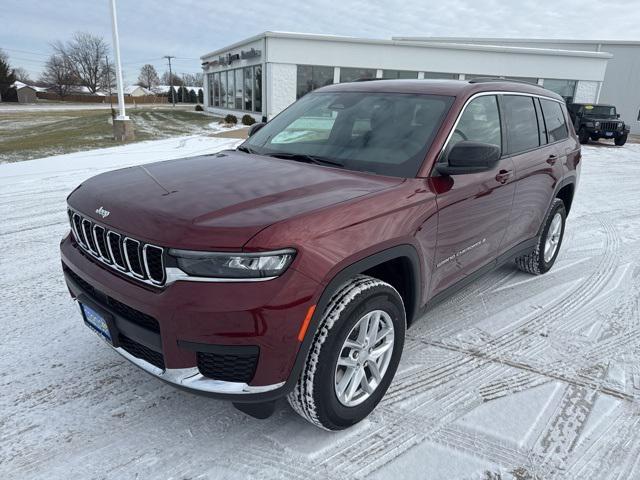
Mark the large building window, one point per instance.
(239, 97)
(257, 86)
(399, 74)
(210, 88)
(237, 89)
(565, 88)
(231, 88)
(353, 74)
(216, 91)
(311, 77)
(248, 88)
(440, 76)
(531, 80)
(223, 89)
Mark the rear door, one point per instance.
(474, 208)
(536, 129)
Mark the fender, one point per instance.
(569, 180)
(399, 251)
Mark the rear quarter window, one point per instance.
(554, 120)
(521, 122)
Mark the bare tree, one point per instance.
(85, 53)
(193, 79)
(22, 75)
(166, 80)
(148, 77)
(58, 74)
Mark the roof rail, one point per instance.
(366, 79)
(497, 79)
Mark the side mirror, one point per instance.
(255, 127)
(470, 157)
(617, 115)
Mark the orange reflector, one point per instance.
(305, 323)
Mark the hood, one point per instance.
(216, 201)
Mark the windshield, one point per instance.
(599, 111)
(383, 133)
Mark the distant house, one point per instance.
(136, 91)
(26, 93)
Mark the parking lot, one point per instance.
(514, 377)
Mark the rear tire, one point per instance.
(621, 140)
(321, 394)
(583, 136)
(543, 256)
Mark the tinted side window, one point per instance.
(522, 124)
(480, 122)
(542, 130)
(553, 117)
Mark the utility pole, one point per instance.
(122, 126)
(173, 94)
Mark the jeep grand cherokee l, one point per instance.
(293, 265)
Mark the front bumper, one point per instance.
(598, 132)
(195, 319)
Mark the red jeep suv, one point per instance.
(293, 265)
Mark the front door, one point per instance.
(473, 209)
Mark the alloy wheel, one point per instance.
(364, 358)
(553, 237)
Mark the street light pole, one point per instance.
(122, 127)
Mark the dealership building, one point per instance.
(264, 74)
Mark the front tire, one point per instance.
(583, 136)
(354, 355)
(621, 140)
(544, 255)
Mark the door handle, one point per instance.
(503, 176)
(552, 159)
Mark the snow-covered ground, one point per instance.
(515, 377)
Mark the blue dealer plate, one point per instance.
(609, 134)
(96, 322)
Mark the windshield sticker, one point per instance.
(588, 107)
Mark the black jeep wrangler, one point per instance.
(598, 121)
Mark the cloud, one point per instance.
(188, 28)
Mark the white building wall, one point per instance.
(425, 57)
(281, 81)
(586, 92)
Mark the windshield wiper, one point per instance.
(244, 149)
(303, 157)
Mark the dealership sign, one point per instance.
(229, 58)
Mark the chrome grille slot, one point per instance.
(152, 257)
(99, 237)
(115, 249)
(88, 236)
(133, 258)
(77, 229)
(609, 126)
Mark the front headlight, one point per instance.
(597, 125)
(233, 265)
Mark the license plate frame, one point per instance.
(608, 134)
(99, 322)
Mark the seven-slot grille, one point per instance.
(131, 257)
(609, 126)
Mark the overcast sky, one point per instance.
(187, 29)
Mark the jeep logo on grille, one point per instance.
(103, 212)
